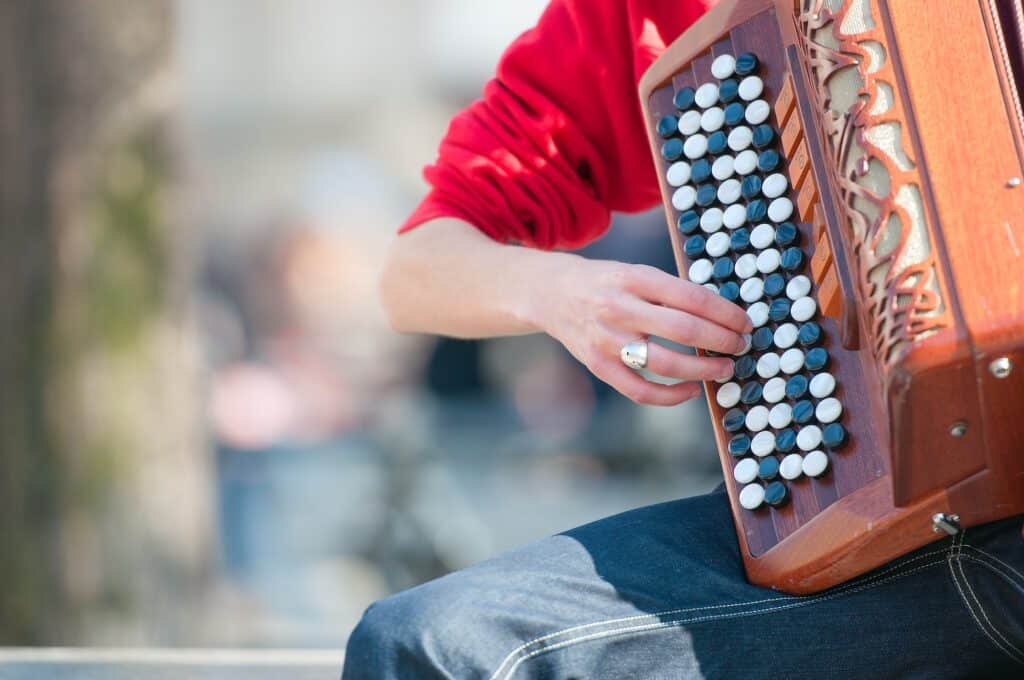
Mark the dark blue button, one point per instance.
(694, 246)
(740, 240)
(734, 113)
(762, 339)
(833, 436)
(746, 64)
(778, 310)
(728, 90)
(792, 259)
(722, 269)
(810, 334)
(803, 411)
(684, 98)
(816, 359)
(796, 387)
(730, 290)
(774, 285)
(706, 194)
(744, 367)
(688, 222)
(776, 494)
(751, 393)
(739, 445)
(700, 171)
(733, 420)
(786, 234)
(672, 149)
(768, 160)
(668, 126)
(763, 136)
(756, 210)
(717, 143)
(768, 469)
(785, 440)
(750, 187)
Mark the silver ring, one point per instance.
(634, 354)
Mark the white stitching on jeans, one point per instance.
(798, 602)
(981, 608)
(991, 556)
(806, 598)
(1016, 585)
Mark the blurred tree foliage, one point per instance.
(104, 492)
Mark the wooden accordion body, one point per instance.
(900, 125)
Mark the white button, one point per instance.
(746, 162)
(718, 244)
(758, 312)
(700, 271)
(822, 385)
(735, 216)
(746, 266)
(710, 286)
(814, 465)
(696, 146)
(740, 138)
(798, 287)
(762, 236)
(774, 185)
(752, 290)
(791, 466)
(712, 119)
(828, 410)
(779, 210)
(728, 395)
(684, 198)
(745, 471)
(757, 419)
(757, 112)
(773, 392)
(723, 66)
(791, 361)
(808, 438)
(804, 308)
(711, 220)
(785, 336)
(762, 444)
(706, 95)
(722, 168)
(729, 191)
(751, 88)
(678, 174)
(751, 496)
(689, 123)
(781, 415)
(747, 344)
(768, 365)
(768, 261)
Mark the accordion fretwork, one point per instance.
(849, 172)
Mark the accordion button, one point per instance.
(804, 309)
(746, 265)
(695, 146)
(739, 445)
(769, 468)
(796, 388)
(791, 466)
(689, 123)
(816, 359)
(762, 338)
(746, 64)
(778, 310)
(768, 261)
(785, 440)
(694, 246)
(815, 463)
(751, 393)
(757, 112)
(810, 334)
(717, 143)
(733, 420)
(751, 290)
(730, 290)
(780, 416)
(768, 160)
(712, 287)
(751, 88)
(745, 367)
(711, 220)
(718, 244)
(791, 361)
(735, 216)
(763, 136)
(729, 191)
(746, 162)
(678, 174)
(751, 186)
(712, 119)
(728, 90)
(745, 471)
(808, 438)
(722, 269)
(722, 168)
(756, 420)
(688, 222)
(706, 194)
(768, 365)
(672, 149)
(798, 287)
(774, 284)
(706, 95)
(684, 197)
(734, 114)
(723, 66)
(740, 138)
(775, 185)
(780, 209)
(776, 494)
(752, 496)
(684, 98)
(834, 436)
(700, 271)
(740, 241)
(828, 411)
(762, 236)
(822, 385)
(792, 258)
(728, 395)
(786, 234)
(803, 410)
(763, 443)
(667, 126)
(775, 391)
(700, 171)
(757, 312)
(785, 337)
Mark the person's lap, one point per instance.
(659, 592)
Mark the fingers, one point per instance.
(636, 388)
(655, 285)
(681, 327)
(672, 364)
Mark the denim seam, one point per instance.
(1014, 583)
(794, 603)
(1019, 658)
(993, 557)
(799, 598)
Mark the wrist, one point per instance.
(542, 293)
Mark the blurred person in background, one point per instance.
(537, 165)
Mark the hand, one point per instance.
(596, 307)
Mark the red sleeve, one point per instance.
(557, 141)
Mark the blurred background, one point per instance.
(210, 437)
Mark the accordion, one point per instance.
(850, 173)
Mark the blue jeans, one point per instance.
(660, 592)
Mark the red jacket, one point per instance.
(558, 141)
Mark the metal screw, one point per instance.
(1000, 367)
(1013, 182)
(958, 429)
(948, 523)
